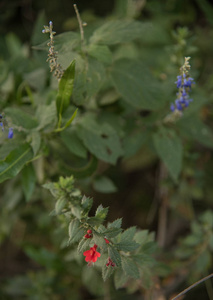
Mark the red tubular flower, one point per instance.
(110, 263)
(107, 242)
(89, 234)
(91, 254)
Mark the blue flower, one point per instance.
(10, 133)
(183, 83)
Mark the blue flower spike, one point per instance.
(10, 133)
(183, 83)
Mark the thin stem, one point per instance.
(192, 286)
(80, 24)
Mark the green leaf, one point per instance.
(83, 245)
(15, 161)
(137, 86)
(169, 148)
(86, 204)
(114, 255)
(101, 212)
(35, 142)
(65, 89)
(107, 271)
(71, 119)
(194, 129)
(127, 246)
(46, 115)
(60, 204)
(75, 231)
(115, 224)
(100, 139)
(101, 53)
(119, 31)
(28, 181)
(21, 118)
(104, 184)
(128, 234)
(113, 232)
(99, 240)
(73, 143)
(130, 268)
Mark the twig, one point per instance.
(192, 286)
(81, 24)
(163, 209)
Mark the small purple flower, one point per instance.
(183, 83)
(10, 133)
(179, 81)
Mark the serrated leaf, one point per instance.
(99, 240)
(114, 255)
(127, 246)
(137, 86)
(101, 212)
(65, 88)
(75, 231)
(86, 204)
(28, 181)
(107, 272)
(15, 161)
(169, 148)
(130, 268)
(128, 234)
(115, 224)
(83, 245)
(60, 204)
(112, 232)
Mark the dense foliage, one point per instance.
(106, 154)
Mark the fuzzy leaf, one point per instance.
(107, 271)
(137, 86)
(101, 212)
(130, 268)
(119, 31)
(83, 245)
(75, 232)
(115, 224)
(114, 255)
(127, 246)
(60, 204)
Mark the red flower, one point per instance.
(89, 234)
(107, 242)
(110, 263)
(92, 255)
